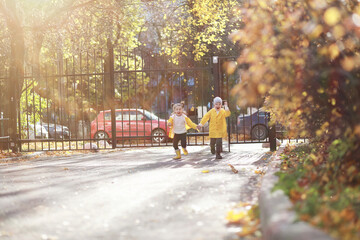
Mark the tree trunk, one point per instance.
(16, 77)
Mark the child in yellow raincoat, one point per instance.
(217, 126)
(179, 123)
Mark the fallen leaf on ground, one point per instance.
(205, 171)
(233, 169)
(238, 217)
(259, 172)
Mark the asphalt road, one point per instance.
(131, 194)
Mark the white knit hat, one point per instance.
(217, 100)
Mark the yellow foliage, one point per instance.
(333, 101)
(262, 88)
(317, 31)
(332, 16)
(338, 31)
(334, 51)
(348, 63)
(357, 130)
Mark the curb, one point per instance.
(277, 217)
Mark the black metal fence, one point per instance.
(122, 98)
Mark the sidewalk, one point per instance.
(129, 194)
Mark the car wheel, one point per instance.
(259, 132)
(101, 135)
(159, 135)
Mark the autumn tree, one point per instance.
(188, 32)
(303, 56)
(56, 30)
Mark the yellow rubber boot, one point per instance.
(178, 155)
(185, 151)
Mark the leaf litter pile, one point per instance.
(324, 193)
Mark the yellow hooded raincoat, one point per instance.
(217, 126)
(189, 124)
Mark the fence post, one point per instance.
(110, 91)
(272, 136)
(12, 131)
(112, 88)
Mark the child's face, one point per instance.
(178, 111)
(217, 105)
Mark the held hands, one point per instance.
(198, 127)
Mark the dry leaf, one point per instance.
(233, 169)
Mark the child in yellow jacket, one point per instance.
(179, 123)
(217, 126)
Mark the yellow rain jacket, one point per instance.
(189, 124)
(217, 126)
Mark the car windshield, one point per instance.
(150, 115)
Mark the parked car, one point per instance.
(130, 123)
(57, 131)
(37, 132)
(254, 125)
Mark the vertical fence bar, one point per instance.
(150, 62)
(143, 92)
(88, 97)
(62, 107)
(128, 88)
(135, 97)
(229, 118)
(67, 100)
(81, 113)
(112, 93)
(96, 100)
(41, 118)
(122, 99)
(75, 103)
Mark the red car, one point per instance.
(130, 123)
